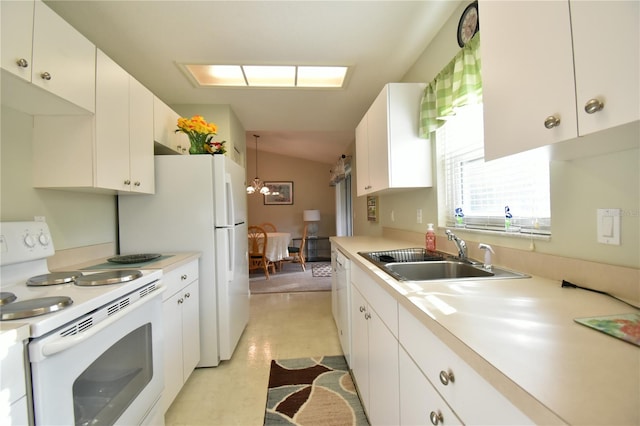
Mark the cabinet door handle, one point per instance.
(136, 183)
(45, 76)
(183, 277)
(593, 105)
(362, 309)
(435, 417)
(446, 377)
(551, 122)
(22, 63)
(127, 182)
(180, 301)
(367, 315)
(187, 295)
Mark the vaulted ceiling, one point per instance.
(379, 40)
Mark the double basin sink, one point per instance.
(417, 264)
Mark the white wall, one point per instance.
(76, 219)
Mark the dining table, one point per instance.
(277, 246)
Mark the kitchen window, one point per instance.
(485, 193)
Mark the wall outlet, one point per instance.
(419, 216)
(393, 216)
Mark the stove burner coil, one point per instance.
(54, 278)
(109, 277)
(6, 297)
(33, 307)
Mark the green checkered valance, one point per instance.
(458, 84)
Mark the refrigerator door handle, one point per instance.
(228, 189)
(232, 253)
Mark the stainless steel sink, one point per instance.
(419, 265)
(438, 270)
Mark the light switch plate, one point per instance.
(609, 226)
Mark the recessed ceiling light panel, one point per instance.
(321, 76)
(267, 75)
(270, 75)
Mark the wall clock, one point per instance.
(469, 24)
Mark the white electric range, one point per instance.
(94, 349)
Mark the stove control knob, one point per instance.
(29, 241)
(44, 239)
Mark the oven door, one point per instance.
(109, 374)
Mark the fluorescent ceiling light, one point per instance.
(321, 76)
(268, 75)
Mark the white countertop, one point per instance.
(520, 335)
(167, 262)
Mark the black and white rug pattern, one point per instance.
(320, 269)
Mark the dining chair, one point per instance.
(296, 254)
(257, 251)
(269, 227)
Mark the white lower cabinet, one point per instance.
(181, 322)
(471, 397)
(420, 404)
(13, 406)
(374, 352)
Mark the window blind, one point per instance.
(484, 189)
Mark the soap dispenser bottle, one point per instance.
(430, 238)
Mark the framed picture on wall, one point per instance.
(281, 193)
(372, 208)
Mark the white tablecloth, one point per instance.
(277, 245)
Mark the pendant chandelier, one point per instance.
(257, 185)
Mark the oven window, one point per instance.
(106, 388)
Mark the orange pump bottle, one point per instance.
(430, 238)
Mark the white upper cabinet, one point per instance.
(17, 37)
(165, 123)
(533, 94)
(389, 153)
(606, 50)
(124, 130)
(48, 57)
(111, 151)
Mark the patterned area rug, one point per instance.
(321, 270)
(312, 391)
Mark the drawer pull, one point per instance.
(183, 277)
(593, 106)
(435, 417)
(551, 122)
(446, 377)
(180, 301)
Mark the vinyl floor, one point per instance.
(281, 326)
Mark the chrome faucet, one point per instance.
(462, 246)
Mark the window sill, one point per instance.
(499, 233)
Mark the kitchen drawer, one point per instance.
(178, 278)
(472, 398)
(382, 302)
(418, 398)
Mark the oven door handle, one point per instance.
(52, 348)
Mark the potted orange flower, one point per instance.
(200, 133)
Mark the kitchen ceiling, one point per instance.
(379, 40)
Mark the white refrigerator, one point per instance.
(200, 205)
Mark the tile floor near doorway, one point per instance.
(281, 326)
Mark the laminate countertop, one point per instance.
(520, 336)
